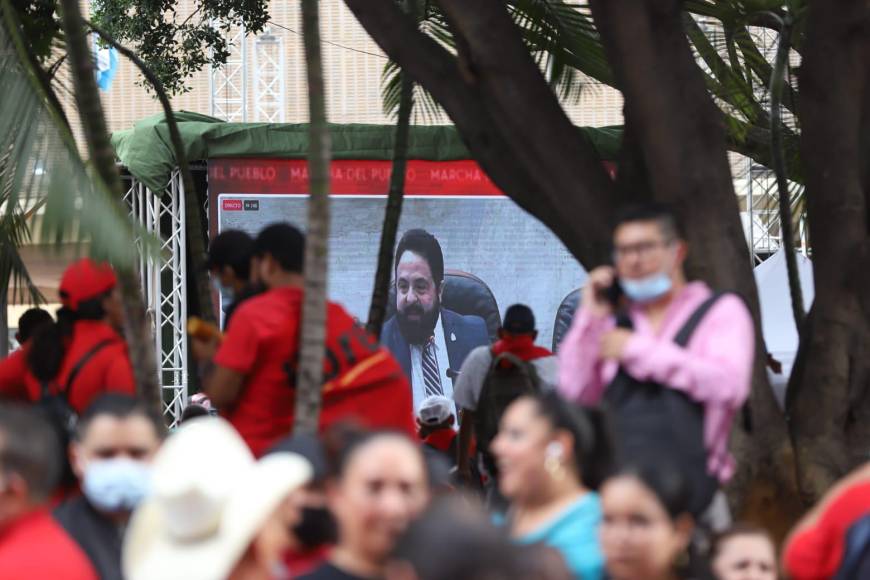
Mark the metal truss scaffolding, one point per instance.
(164, 285)
(229, 83)
(269, 104)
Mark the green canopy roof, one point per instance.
(146, 150)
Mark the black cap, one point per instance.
(231, 248)
(518, 319)
(309, 447)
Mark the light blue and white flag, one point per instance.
(106, 65)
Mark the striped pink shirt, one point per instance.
(714, 369)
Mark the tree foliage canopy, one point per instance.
(175, 46)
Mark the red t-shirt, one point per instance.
(816, 553)
(109, 369)
(363, 381)
(35, 546)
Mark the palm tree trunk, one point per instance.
(393, 213)
(777, 156)
(193, 223)
(313, 328)
(4, 323)
(102, 157)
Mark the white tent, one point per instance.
(777, 320)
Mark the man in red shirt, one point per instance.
(80, 356)
(816, 547)
(253, 376)
(32, 545)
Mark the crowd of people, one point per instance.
(605, 460)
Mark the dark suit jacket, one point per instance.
(470, 332)
(98, 537)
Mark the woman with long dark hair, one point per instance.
(82, 354)
(378, 485)
(647, 526)
(551, 457)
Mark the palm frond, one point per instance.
(746, 34)
(425, 109)
(15, 232)
(560, 36)
(723, 81)
(41, 167)
(565, 42)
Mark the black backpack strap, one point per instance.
(623, 321)
(84, 360)
(45, 387)
(685, 333)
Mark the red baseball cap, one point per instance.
(83, 280)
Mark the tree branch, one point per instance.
(195, 230)
(679, 130)
(501, 155)
(835, 79)
(511, 82)
(753, 141)
(778, 156)
(395, 197)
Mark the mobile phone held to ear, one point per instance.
(612, 294)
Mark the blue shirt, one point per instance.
(574, 533)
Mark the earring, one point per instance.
(553, 465)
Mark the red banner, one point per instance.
(348, 177)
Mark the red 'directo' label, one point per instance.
(232, 205)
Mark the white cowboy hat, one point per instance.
(209, 498)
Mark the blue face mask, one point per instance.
(116, 485)
(646, 289)
(226, 292)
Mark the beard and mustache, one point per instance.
(421, 330)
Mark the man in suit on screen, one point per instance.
(430, 342)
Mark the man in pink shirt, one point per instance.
(643, 330)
